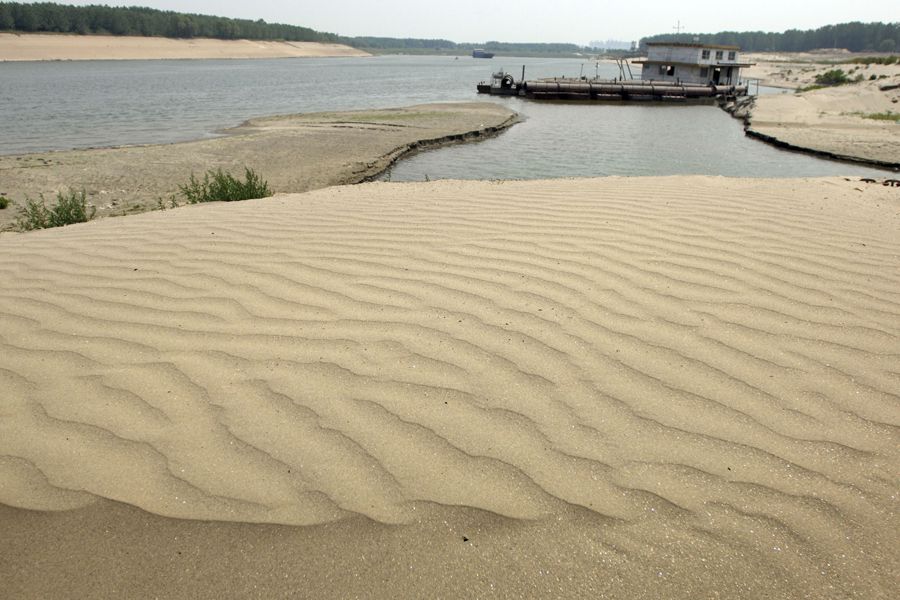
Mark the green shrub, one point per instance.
(833, 77)
(218, 186)
(4, 202)
(70, 208)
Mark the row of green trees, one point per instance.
(388, 43)
(52, 17)
(440, 46)
(525, 48)
(60, 18)
(856, 37)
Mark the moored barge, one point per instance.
(504, 84)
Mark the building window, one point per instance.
(718, 55)
(667, 70)
(704, 73)
(705, 54)
(732, 55)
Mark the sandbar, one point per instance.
(37, 47)
(294, 153)
(847, 122)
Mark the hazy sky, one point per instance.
(576, 21)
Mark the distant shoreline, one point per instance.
(35, 47)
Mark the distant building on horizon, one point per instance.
(681, 62)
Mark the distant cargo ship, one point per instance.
(479, 53)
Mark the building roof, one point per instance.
(693, 45)
(676, 63)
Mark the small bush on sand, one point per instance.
(70, 208)
(4, 202)
(218, 186)
(833, 77)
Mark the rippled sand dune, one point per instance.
(663, 387)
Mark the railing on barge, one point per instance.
(626, 90)
(612, 90)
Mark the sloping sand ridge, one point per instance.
(687, 386)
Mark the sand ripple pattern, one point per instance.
(723, 355)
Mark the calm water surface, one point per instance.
(79, 104)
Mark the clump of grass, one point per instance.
(876, 60)
(219, 186)
(884, 116)
(4, 202)
(163, 205)
(833, 77)
(71, 207)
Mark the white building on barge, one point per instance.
(692, 63)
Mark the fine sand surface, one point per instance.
(681, 387)
(833, 121)
(294, 153)
(36, 46)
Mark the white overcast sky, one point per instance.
(575, 21)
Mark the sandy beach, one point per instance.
(835, 121)
(294, 153)
(37, 46)
(680, 387)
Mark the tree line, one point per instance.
(105, 20)
(441, 46)
(50, 17)
(856, 37)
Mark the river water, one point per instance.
(81, 104)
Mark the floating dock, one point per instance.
(504, 84)
(625, 90)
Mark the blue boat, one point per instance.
(479, 53)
